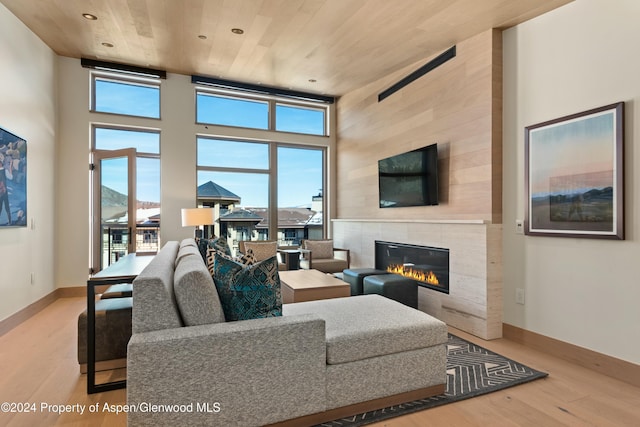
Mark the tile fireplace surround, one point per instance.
(474, 303)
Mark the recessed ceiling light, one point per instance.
(202, 37)
(89, 16)
(237, 31)
(105, 44)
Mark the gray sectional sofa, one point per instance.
(321, 360)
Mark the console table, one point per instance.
(125, 269)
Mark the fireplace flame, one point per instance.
(415, 274)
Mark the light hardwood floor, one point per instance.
(38, 366)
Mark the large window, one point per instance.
(262, 190)
(300, 194)
(126, 96)
(233, 177)
(238, 179)
(260, 113)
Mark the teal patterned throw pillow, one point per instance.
(248, 292)
(217, 243)
(246, 260)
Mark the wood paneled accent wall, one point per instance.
(458, 105)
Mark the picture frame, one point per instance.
(574, 175)
(13, 180)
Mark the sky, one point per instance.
(582, 148)
(300, 170)
(300, 174)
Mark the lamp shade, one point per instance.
(197, 216)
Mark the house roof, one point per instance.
(240, 215)
(287, 217)
(214, 192)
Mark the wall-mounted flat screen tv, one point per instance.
(409, 179)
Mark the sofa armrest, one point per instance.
(251, 372)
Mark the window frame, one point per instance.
(272, 102)
(139, 155)
(238, 97)
(126, 80)
(302, 106)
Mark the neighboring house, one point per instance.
(252, 223)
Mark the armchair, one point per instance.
(321, 255)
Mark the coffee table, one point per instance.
(311, 285)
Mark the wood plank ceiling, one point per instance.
(319, 46)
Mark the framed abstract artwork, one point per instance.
(574, 175)
(13, 180)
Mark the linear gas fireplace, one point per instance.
(426, 265)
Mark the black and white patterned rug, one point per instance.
(471, 371)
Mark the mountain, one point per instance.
(113, 198)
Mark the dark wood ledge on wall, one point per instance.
(358, 408)
(598, 362)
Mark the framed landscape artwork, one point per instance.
(13, 180)
(574, 175)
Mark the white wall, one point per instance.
(582, 291)
(28, 109)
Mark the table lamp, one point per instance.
(195, 217)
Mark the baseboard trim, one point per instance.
(72, 292)
(34, 308)
(598, 362)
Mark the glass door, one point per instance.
(114, 206)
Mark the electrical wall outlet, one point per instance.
(519, 296)
(519, 226)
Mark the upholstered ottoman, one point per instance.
(113, 331)
(355, 276)
(392, 286)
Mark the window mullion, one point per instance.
(273, 191)
(272, 114)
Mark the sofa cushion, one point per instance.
(184, 251)
(319, 248)
(195, 292)
(248, 292)
(189, 241)
(154, 302)
(366, 326)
